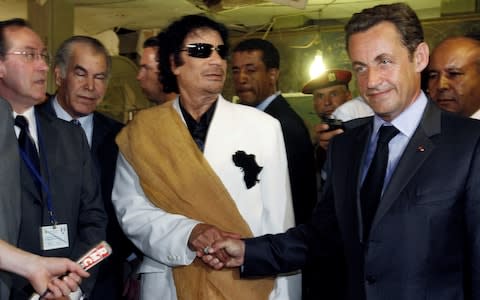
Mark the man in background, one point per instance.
(61, 212)
(149, 75)
(454, 76)
(256, 69)
(332, 101)
(82, 69)
(330, 90)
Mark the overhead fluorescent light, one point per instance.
(300, 4)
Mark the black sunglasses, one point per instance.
(204, 50)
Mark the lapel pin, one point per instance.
(420, 148)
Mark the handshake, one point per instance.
(217, 248)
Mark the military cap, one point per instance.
(328, 78)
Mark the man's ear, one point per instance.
(349, 95)
(421, 56)
(273, 74)
(58, 76)
(173, 65)
(3, 69)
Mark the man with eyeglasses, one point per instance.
(40, 271)
(61, 211)
(195, 161)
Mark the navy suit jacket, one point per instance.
(425, 238)
(10, 190)
(68, 170)
(300, 157)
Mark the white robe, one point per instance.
(266, 207)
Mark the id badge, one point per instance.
(54, 237)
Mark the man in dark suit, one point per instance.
(38, 270)
(255, 68)
(82, 69)
(61, 209)
(422, 240)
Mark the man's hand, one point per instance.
(204, 235)
(234, 248)
(45, 272)
(323, 136)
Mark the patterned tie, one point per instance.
(372, 187)
(26, 142)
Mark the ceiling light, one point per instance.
(317, 67)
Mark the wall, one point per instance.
(297, 50)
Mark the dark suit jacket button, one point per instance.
(370, 279)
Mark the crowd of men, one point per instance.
(217, 200)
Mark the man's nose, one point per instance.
(90, 83)
(443, 82)
(140, 74)
(374, 78)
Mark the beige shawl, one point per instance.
(176, 177)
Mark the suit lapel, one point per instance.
(48, 139)
(10, 190)
(215, 134)
(359, 150)
(417, 151)
(98, 134)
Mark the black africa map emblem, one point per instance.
(249, 166)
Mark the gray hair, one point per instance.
(64, 52)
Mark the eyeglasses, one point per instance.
(204, 50)
(30, 56)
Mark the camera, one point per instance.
(333, 123)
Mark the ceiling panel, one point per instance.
(94, 16)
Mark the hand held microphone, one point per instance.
(97, 254)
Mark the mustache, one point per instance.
(215, 71)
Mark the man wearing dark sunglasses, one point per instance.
(214, 162)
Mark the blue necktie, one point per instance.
(372, 187)
(26, 142)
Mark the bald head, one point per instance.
(454, 75)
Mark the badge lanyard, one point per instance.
(36, 174)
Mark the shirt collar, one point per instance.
(29, 114)
(85, 121)
(263, 105)
(476, 115)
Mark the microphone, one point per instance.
(94, 256)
